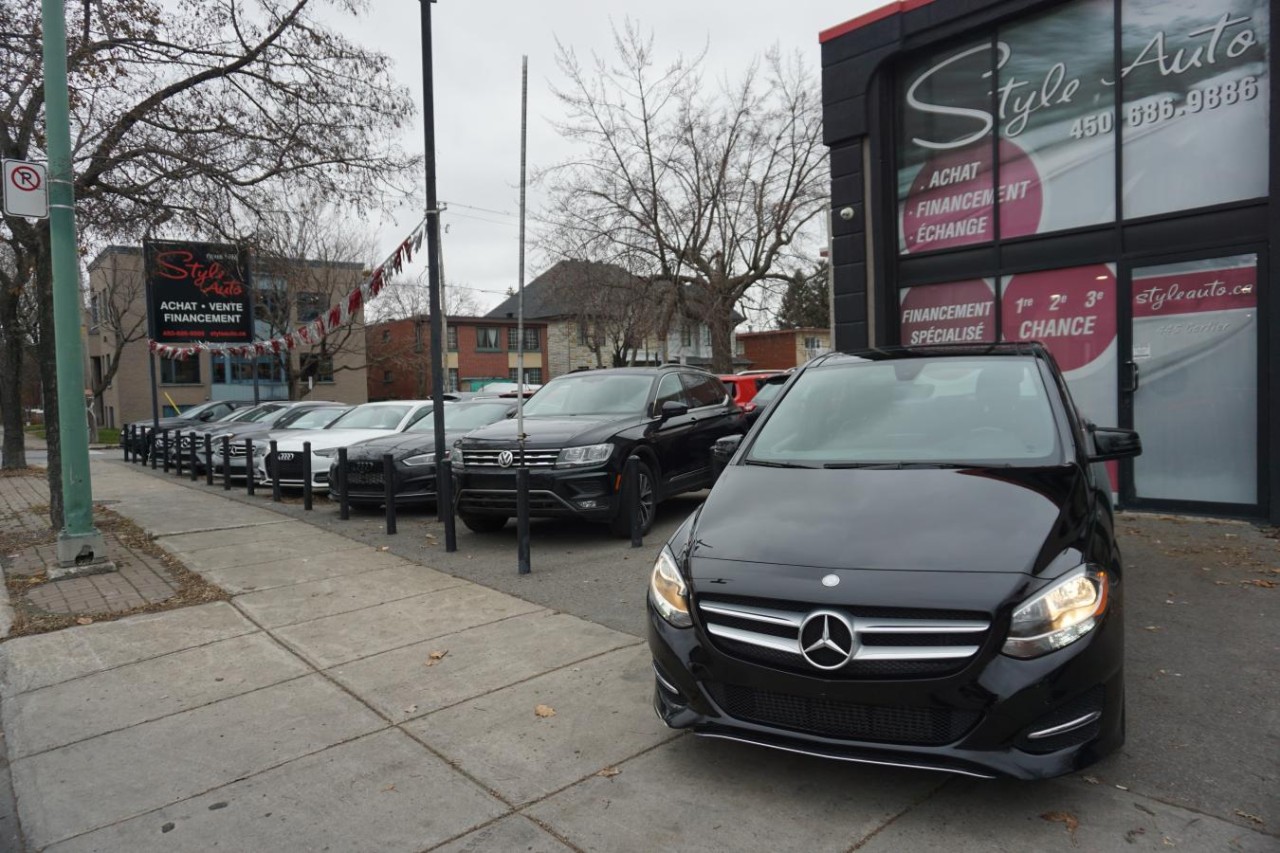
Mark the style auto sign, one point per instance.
(198, 292)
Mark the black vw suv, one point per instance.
(581, 428)
(910, 560)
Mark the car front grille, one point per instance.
(237, 451)
(917, 726)
(289, 469)
(505, 501)
(364, 474)
(887, 643)
(541, 458)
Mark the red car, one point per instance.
(743, 387)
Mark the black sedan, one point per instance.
(413, 453)
(909, 561)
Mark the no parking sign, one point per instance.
(26, 189)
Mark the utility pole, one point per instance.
(80, 547)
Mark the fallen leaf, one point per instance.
(1122, 787)
(1067, 819)
(1251, 817)
(84, 620)
(1152, 628)
(1092, 780)
(384, 547)
(1132, 835)
(436, 657)
(389, 788)
(609, 772)
(432, 540)
(1262, 582)
(1221, 583)
(411, 709)
(544, 711)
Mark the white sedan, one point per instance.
(363, 422)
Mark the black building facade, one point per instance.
(1096, 175)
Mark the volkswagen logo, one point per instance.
(505, 458)
(826, 639)
(285, 457)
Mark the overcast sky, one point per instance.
(478, 45)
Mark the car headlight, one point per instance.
(455, 457)
(327, 452)
(1058, 616)
(421, 459)
(667, 591)
(591, 454)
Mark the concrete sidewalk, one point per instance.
(350, 699)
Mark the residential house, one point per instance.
(784, 348)
(480, 350)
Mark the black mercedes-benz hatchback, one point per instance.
(910, 560)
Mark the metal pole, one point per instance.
(148, 448)
(433, 248)
(226, 463)
(126, 437)
(631, 482)
(195, 457)
(249, 470)
(444, 474)
(389, 490)
(164, 434)
(523, 565)
(306, 475)
(208, 460)
(78, 541)
(344, 505)
(176, 450)
(273, 455)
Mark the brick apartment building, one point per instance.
(480, 350)
(782, 349)
(294, 291)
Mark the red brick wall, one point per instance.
(769, 350)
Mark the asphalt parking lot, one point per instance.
(1203, 660)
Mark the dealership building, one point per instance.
(1096, 175)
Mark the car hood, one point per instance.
(401, 445)
(551, 432)
(987, 520)
(323, 439)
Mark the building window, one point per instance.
(386, 336)
(584, 335)
(269, 301)
(387, 377)
(317, 367)
(453, 375)
(417, 336)
(530, 339)
(240, 371)
(185, 372)
(94, 317)
(487, 338)
(451, 338)
(532, 375)
(310, 305)
(812, 342)
(686, 335)
(706, 336)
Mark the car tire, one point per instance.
(484, 523)
(620, 524)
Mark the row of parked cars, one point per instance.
(907, 558)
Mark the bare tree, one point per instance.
(708, 187)
(197, 110)
(616, 312)
(114, 314)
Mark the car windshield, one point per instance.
(372, 417)
(591, 394)
(464, 418)
(941, 411)
(312, 418)
(767, 393)
(197, 411)
(254, 415)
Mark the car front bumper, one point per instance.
(981, 717)
(590, 494)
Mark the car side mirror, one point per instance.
(721, 452)
(1112, 443)
(672, 409)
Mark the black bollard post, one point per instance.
(208, 460)
(194, 458)
(177, 446)
(249, 470)
(274, 471)
(306, 475)
(444, 499)
(226, 463)
(344, 506)
(522, 520)
(147, 441)
(126, 437)
(389, 490)
(631, 482)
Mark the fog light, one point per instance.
(587, 504)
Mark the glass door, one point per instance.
(1192, 381)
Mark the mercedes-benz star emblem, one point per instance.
(826, 639)
(505, 458)
(831, 580)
